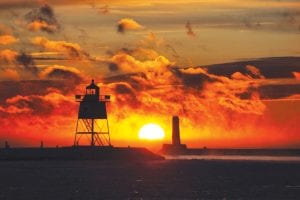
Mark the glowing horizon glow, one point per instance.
(158, 67)
(151, 132)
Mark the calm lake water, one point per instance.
(225, 177)
(236, 157)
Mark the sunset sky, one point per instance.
(230, 69)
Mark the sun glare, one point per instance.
(151, 132)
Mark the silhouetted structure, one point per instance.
(92, 117)
(176, 147)
(92, 122)
(175, 131)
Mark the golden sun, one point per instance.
(151, 132)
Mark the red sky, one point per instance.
(156, 59)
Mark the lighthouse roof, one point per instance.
(92, 85)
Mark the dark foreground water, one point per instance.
(169, 179)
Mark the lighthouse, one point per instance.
(92, 117)
(176, 147)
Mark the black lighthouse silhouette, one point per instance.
(176, 147)
(92, 117)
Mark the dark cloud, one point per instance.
(193, 78)
(121, 28)
(57, 82)
(42, 18)
(21, 61)
(124, 88)
(189, 29)
(275, 67)
(38, 97)
(161, 87)
(5, 4)
(113, 66)
(137, 81)
(35, 105)
(9, 89)
(27, 62)
(69, 74)
(18, 4)
(278, 91)
(121, 78)
(190, 91)
(43, 13)
(125, 94)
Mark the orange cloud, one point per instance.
(255, 72)
(149, 87)
(240, 76)
(128, 24)
(8, 56)
(40, 109)
(72, 50)
(149, 84)
(157, 87)
(7, 39)
(296, 75)
(50, 115)
(128, 63)
(41, 25)
(10, 74)
(15, 65)
(36, 104)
